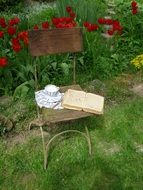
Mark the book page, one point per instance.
(93, 103)
(74, 99)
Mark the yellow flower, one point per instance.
(138, 61)
(141, 62)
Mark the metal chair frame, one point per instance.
(44, 42)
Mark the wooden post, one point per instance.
(36, 82)
(35, 73)
(74, 68)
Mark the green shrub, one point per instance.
(5, 4)
(97, 60)
(39, 13)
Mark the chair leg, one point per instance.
(89, 140)
(46, 148)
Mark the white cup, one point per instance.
(51, 90)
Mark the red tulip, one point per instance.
(68, 9)
(14, 21)
(3, 23)
(45, 25)
(92, 27)
(68, 19)
(110, 32)
(55, 21)
(72, 15)
(23, 36)
(11, 30)
(3, 61)
(134, 4)
(134, 11)
(36, 27)
(16, 44)
(108, 21)
(86, 24)
(1, 34)
(16, 47)
(102, 21)
(14, 40)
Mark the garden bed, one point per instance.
(108, 67)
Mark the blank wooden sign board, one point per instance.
(53, 41)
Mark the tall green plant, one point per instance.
(86, 10)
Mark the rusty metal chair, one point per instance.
(57, 41)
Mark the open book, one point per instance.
(80, 100)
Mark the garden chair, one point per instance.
(55, 41)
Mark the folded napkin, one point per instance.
(46, 101)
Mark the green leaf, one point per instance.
(115, 56)
(81, 60)
(65, 68)
(54, 65)
(22, 90)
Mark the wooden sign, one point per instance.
(53, 41)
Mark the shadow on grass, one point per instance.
(80, 124)
(87, 174)
(91, 123)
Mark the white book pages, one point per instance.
(80, 100)
(74, 99)
(93, 103)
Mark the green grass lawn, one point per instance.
(117, 152)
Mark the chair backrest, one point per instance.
(54, 41)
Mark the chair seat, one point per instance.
(51, 116)
(54, 116)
